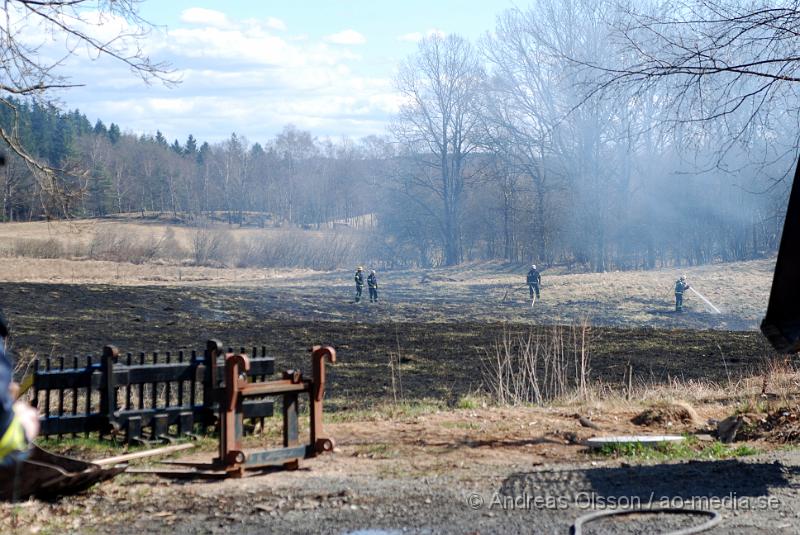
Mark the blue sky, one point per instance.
(252, 67)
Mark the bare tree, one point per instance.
(439, 125)
(534, 116)
(728, 61)
(28, 26)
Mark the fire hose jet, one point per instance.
(709, 303)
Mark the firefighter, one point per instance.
(19, 422)
(359, 278)
(680, 286)
(372, 283)
(534, 280)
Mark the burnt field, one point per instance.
(411, 466)
(432, 360)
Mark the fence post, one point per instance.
(214, 349)
(108, 388)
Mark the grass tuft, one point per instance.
(690, 448)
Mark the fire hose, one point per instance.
(714, 520)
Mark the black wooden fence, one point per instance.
(139, 398)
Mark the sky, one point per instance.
(252, 67)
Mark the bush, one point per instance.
(210, 247)
(118, 245)
(295, 248)
(551, 362)
(33, 248)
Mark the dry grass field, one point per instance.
(479, 292)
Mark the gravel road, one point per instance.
(341, 495)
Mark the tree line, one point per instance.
(512, 147)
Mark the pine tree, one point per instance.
(114, 133)
(203, 153)
(191, 146)
(61, 138)
(80, 124)
(161, 140)
(100, 128)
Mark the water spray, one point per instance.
(709, 303)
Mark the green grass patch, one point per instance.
(470, 401)
(690, 448)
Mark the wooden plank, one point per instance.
(82, 423)
(273, 387)
(126, 375)
(167, 450)
(81, 378)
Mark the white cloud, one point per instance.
(416, 37)
(242, 76)
(276, 24)
(346, 37)
(201, 16)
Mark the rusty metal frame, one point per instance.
(232, 457)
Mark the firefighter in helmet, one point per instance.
(359, 278)
(372, 283)
(534, 280)
(680, 286)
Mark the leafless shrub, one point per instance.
(295, 248)
(210, 247)
(37, 248)
(546, 364)
(780, 377)
(170, 246)
(116, 245)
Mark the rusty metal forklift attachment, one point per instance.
(781, 324)
(46, 475)
(232, 460)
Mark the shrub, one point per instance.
(34, 248)
(210, 247)
(115, 244)
(551, 362)
(296, 248)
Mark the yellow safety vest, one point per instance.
(13, 439)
